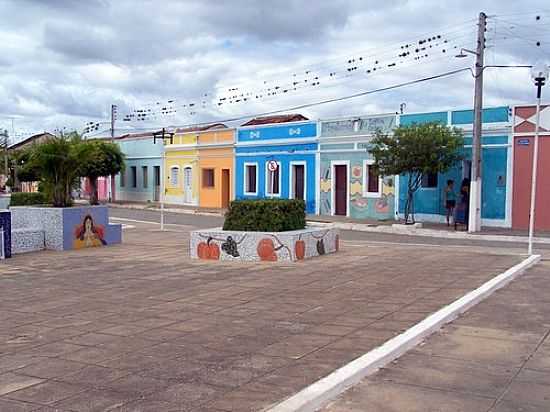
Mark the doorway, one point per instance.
(226, 182)
(188, 185)
(156, 179)
(298, 181)
(340, 186)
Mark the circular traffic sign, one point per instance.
(272, 165)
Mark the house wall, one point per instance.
(217, 159)
(496, 170)
(284, 143)
(139, 153)
(524, 141)
(347, 140)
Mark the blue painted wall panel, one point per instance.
(289, 148)
(494, 163)
(489, 115)
(408, 119)
(291, 131)
(285, 160)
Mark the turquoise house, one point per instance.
(140, 182)
(496, 167)
(348, 184)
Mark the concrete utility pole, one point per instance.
(474, 222)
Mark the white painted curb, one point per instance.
(319, 393)
(441, 234)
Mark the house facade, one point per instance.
(523, 146)
(215, 150)
(348, 185)
(182, 168)
(496, 170)
(140, 182)
(277, 160)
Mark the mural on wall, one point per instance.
(266, 247)
(361, 206)
(89, 234)
(210, 250)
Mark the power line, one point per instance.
(333, 100)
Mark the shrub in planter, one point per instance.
(269, 215)
(27, 199)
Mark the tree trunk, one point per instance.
(93, 195)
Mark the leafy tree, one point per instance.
(99, 158)
(57, 162)
(414, 151)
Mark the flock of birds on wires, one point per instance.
(532, 30)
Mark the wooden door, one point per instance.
(340, 190)
(188, 185)
(156, 192)
(299, 181)
(226, 182)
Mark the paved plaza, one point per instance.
(495, 358)
(141, 327)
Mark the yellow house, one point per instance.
(183, 172)
(216, 167)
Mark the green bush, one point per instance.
(27, 199)
(270, 215)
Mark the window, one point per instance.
(273, 180)
(133, 171)
(250, 178)
(372, 182)
(429, 180)
(174, 174)
(122, 179)
(145, 177)
(207, 177)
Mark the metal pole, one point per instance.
(162, 183)
(474, 222)
(534, 176)
(109, 179)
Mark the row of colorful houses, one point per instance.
(328, 164)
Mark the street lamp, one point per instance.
(540, 73)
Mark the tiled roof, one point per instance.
(282, 118)
(213, 126)
(30, 139)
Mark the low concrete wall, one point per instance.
(63, 228)
(218, 244)
(5, 201)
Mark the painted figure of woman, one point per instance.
(88, 235)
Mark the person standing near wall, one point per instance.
(449, 197)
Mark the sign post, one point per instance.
(272, 167)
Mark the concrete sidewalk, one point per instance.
(496, 358)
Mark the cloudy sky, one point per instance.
(63, 63)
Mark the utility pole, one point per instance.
(474, 222)
(110, 178)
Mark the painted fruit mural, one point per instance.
(208, 250)
(266, 250)
(300, 249)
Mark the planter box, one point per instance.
(218, 244)
(63, 228)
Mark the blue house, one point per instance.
(277, 160)
(140, 182)
(496, 167)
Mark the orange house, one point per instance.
(215, 149)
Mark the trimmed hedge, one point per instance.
(270, 215)
(27, 199)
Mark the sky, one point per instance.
(63, 63)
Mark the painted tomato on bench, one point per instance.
(208, 250)
(300, 249)
(266, 250)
